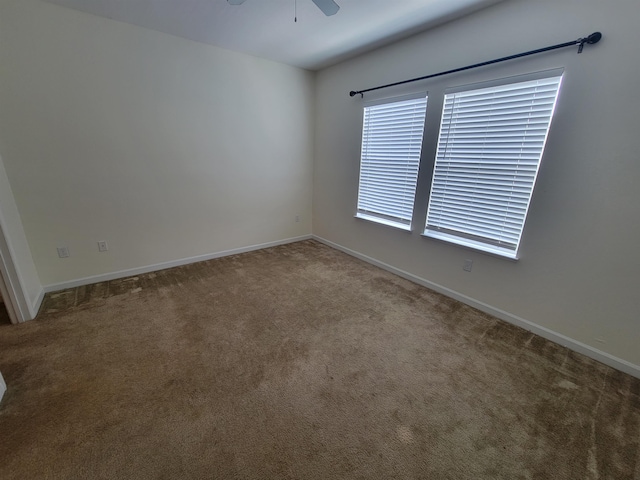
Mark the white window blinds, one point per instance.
(489, 150)
(391, 146)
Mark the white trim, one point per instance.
(6, 297)
(161, 266)
(17, 301)
(575, 345)
(34, 307)
(3, 387)
(471, 244)
(499, 82)
(395, 98)
(383, 221)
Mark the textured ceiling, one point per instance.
(266, 28)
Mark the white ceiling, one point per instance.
(266, 28)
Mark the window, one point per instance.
(489, 150)
(391, 146)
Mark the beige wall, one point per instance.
(577, 275)
(165, 148)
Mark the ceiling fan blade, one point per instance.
(235, 2)
(328, 7)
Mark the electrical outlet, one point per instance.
(102, 246)
(297, 218)
(467, 265)
(63, 252)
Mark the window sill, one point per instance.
(382, 221)
(471, 245)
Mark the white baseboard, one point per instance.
(34, 306)
(594, 353)
(3, 387)
(161, 266)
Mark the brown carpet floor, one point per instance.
(300, 362)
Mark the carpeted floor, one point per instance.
(300, 362)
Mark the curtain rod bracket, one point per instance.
(595, 37)
(591, 39)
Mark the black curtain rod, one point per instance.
(591, 39)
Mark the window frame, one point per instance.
(468, 241)
(378, 217)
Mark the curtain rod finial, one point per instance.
(594, 38)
